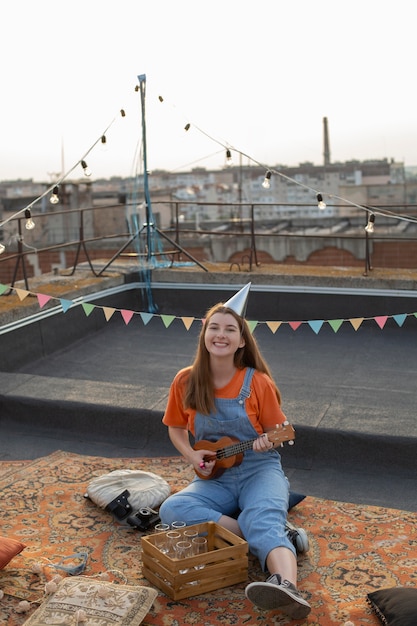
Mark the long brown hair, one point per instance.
(199, 390)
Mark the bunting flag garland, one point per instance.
(167, 320)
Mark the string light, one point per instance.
(370, 225)
(229, 160)
(122, 113)
(87, 171)
(54, 199)
(267, 180)
(187, 126)
(103, 142)
(30, 224)
(320, 202)
(160, 98)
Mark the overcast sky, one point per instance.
(255, 76)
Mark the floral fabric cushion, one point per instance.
(101, 602)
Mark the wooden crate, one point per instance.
(226, 563)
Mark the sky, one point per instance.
(257, 77)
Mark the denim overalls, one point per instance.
(256, 491)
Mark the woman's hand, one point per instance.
(200, 462)
(262, 444)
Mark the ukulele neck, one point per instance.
(235, 448)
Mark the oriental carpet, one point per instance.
(354, 549)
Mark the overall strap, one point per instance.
(245, 390)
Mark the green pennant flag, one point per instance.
(167, 319)
(88, 307)
(252, 325)
(3, 288)
(336, 324)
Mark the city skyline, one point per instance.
(256, 80)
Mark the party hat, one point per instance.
(239, 301)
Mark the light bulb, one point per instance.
(267, 180)
(320, 202)
(2, 248)
(54, 199)
(229, 160)
(87, 171)
(370, 225)
(30, 224)
(122, 113)
(187, 127)
(104, 143)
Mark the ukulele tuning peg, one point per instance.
(291, 442)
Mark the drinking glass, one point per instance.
(189, 534)
(199, 547)
(161, 540)
(178, 525)
(183, 549)
(172, 537)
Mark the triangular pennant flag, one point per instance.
(381, 320)
(400, 319)
(295, 325)
(356, 322)
(21, 293)
(66, 304)
(88, 307)
(127, 315)
(316, 325)
(187, 321)
(42, 299)
(335, 324)
(167, 319)
(146, 317)
(252, 325)
(273, 326)
(108, 312)
(3, 288)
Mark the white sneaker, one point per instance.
(276, 594)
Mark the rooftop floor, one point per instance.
(350, 394)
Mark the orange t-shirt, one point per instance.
(262, 406)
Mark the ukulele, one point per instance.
(228, 451)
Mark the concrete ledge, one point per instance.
(131, 416)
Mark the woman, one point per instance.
(229, 391)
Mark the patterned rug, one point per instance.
(354, 549)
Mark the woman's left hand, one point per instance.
(262, 444)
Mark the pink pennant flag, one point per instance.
(42, 299)
(295, 325)
(381, 320)
(127, 315)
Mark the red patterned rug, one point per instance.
(354, 549)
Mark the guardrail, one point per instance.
(81, 231)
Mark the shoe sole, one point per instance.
(269, 597)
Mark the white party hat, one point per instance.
(239, 301)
